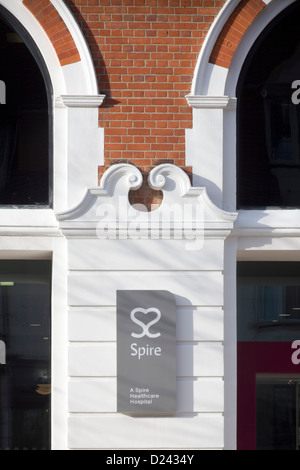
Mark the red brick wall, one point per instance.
(145, 52)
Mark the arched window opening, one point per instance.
(268, 120)
(25, 119)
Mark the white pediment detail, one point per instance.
(185, 212)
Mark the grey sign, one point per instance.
(146, 351)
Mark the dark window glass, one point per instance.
(25, 355)
(268, 322)
(25, 122)
(277, 414)
(268, 301)
(268, 121)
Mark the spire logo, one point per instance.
(145, 326)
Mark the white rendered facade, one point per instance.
(88, 268)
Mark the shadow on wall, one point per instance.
(101, 71)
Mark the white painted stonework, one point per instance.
(99, 266)
(213, 99)
(257, 235)
(77, 142)
(192, 255)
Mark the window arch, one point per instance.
(268, 168)
(25, 119)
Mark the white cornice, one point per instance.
(28, 222)
(267, 223)
(211, 102)
(80, 101)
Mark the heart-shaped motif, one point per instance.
(145, 326)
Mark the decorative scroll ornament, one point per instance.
(185, 213)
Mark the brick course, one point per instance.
(56, 29)
(145, 53)
(233, 31)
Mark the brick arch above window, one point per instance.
(60, 41)
(56, 29)
(214, 90)
(234, 29)
(226, 46)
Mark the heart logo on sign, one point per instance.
(145, 326)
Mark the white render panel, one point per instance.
(189, 288)
(215, 79)
(85, 145)
(144, 255)
(93, 395)
(98, 268)
(127, 432)
(99, 359)
(200, 360)
(200, 324)
(99, 395)
(206, 138)
(94, 360)
(99, 324)
(200, 396)
(92, 324)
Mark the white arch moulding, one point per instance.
(77, 151)
(211, 151)
(211, 143)
(77, 139)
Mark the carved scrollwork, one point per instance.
(185, 211)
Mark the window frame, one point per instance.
(281, 97)
(16, 25)
(21, 272)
